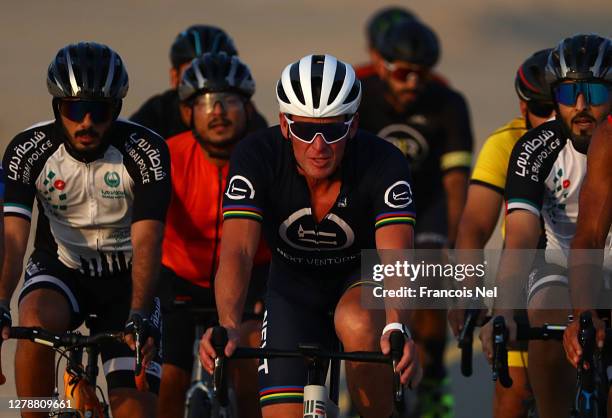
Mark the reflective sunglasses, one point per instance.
(76, 110)
(594, 93)
(539, 109)
(404, 74)
(228, 101)
(307, 131)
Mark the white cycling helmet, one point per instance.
(318, 86)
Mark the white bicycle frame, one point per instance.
(317, 403)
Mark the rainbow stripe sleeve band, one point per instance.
(243, 212)
(390, 218)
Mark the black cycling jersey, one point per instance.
(434, 133)
(264, 185)
(161, 114)
(86, 207)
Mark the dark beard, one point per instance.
(221, 151)
(582, 140)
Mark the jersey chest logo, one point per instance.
(409, 141)
(53, 192)
(301, 233)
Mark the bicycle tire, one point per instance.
(198, 405)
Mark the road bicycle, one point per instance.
(83, 397)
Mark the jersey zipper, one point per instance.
(92, 201)
(213, 264)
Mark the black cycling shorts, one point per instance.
(178, 296)
(103, 303)
(299, 309)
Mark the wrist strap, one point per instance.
(397, 326)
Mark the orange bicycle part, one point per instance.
(82, 396)
(141, 379)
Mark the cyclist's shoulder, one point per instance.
(375, 153)
(535, 153)
(544, 134)
(131, 131)
(31, 139)
(507, 135)
(181, 142)
(263, 142)
(38, 130)
(159, 101)
(441, 93)
(141, 147)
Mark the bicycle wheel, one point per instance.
(198, 405)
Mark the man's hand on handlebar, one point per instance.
(5, 319)
(486, 334)
(456, 319)
(571, 344)
(207, 351)
(409, 366)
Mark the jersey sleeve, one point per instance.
(492, 163)
(530, 163)
(19, 189)
(392, 192)
(247, 181)
(148, 163)
(457, 153)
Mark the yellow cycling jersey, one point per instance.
(492, 163)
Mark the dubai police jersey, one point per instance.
(86, 207)
(545, 175)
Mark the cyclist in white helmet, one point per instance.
(321, 190)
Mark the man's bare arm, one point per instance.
(594, 220)
(147, 237)
(455, 185)
(394, 237)
(479, 217)
(238, 247)
(522, 233)
(16, 234)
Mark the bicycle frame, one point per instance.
(80, 385)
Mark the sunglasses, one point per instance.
(539, 109)
(404, 74)
(228, 101)
(594, 93)
(76, 110)
(307, 131)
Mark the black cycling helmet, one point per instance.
(197, 40)
(382, 20)
(87, 70)
(530, 81)
(216, 73)
(411, 41)
(581, 57)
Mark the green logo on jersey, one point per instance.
(112, 179)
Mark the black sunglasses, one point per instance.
(76, 110)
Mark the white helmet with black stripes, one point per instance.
(318, 86)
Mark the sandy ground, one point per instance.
(483, 42)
